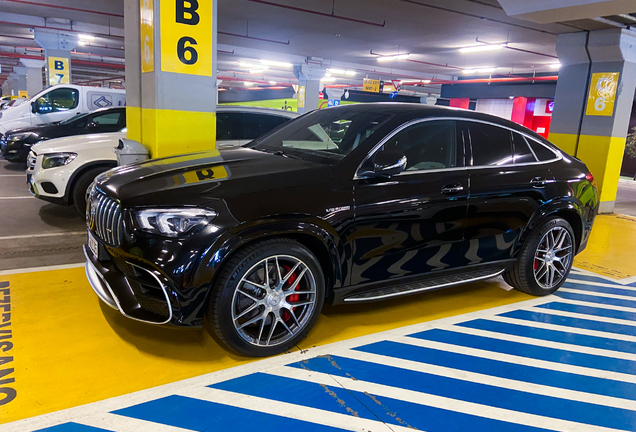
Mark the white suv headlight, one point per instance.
(173, 222)
(53, 160)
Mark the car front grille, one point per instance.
(31, 159)
(105, 218)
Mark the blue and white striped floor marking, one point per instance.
(566, 362)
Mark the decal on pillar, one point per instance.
(600, 101)
(59, 71)
(301, 96)
(147, 40)
(186, 36)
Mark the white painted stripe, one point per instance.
(602, 284)
(17, 197)
(629, 280)
(505, 383)
(564, 329)
(284, 409)
(602, 294)
(624, 281)
(13, 175)
(39, 269)
(55, 234)
(581, 316)
(126, 424)
(441, 402)
(543, 343)
(525, 361)
(595, 305)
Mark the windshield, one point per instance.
(331, 133)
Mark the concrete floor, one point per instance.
(626, 198)
(34, 233)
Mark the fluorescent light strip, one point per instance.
(479, 70)
(276, 63)
(555, 65)
(481, 48)
(392, 57)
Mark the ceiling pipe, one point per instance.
(73, 61)
(59, 28)
(63, 8)
(505, 45)
(331, 15)
(253, 38)
(496, 80)
(435, 64)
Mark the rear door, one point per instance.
(257, 124)
(411, 223)
(229, 128)
(101, 122)
(507, 185)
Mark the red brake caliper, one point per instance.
(292, 298)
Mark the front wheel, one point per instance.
(81, 187)
(267, 298)
(545, 260)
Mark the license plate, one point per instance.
(93, 245)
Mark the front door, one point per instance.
(56, 105)
(411, 223)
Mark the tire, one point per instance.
(540, 270)
(239, 298)
(80, 187)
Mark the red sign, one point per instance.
(396, 84)
(549, 107)
(321, 96)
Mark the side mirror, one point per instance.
(388, 163)
(34, 108)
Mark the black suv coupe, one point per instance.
(348, 204)
(17, 143)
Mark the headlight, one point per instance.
(53, 160)
(173, 222)
(19, 136)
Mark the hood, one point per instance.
(198, 178)
(14, 116)
(78, 143)
(44, 131)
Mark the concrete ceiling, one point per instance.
(339, 33)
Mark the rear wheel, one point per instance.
(267, 298)
(545, 260)
(81, 186)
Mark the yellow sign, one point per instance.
(22, 93)
(603, 87)
(59, 71)
(371, 85)
(147, 44)
(186, 36)
(301, 96)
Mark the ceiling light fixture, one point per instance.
(328, 79)
(555, 65)
(86, 37)
(83, 42)
(427, 81)
(393, 57)
(276, 63)
(340, 72)
(481, 48)
(484, 69)
(248, 84)
(272, 82)
(256, 71)
(252, 66)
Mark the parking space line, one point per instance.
(12, 175)
(17, 197)
(16, 237)
(39, 269)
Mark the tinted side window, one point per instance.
(426, 145)
(542, 152)
(61, 99)
(259, 124)
(108, 119)
(229, 126)
(522, 153)
(491, 145)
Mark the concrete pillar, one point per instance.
(308, 86)
(22, 80)
(593, 103)
(13, 83)
(57, 52)
(33, 75)
(171, 86)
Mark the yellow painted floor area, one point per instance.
(70, 350)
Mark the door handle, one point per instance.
(538, 182)
(452, 188)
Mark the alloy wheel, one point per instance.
(274, 301)
(553, 257)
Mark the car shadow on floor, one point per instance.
(59, 216)
(13, 168)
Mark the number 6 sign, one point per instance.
(600, 101)
(147, 48)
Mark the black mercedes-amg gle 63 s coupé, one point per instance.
(348, 204)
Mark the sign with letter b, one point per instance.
(59, 71)
(186, 36)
